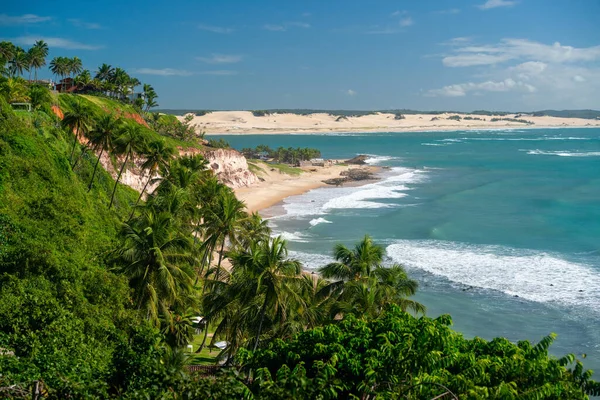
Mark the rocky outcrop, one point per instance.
(230, 167)
(358, 160)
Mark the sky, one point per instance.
(513, 55)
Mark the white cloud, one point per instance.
(22, 19)
(398, 13)
(220, 59)
(578, 78)
(515, 49)
(404, 22)
(350, 92)
(163, 72)
(461, 89)
(285, 26)
(54, 42)
(215, 29)
(496, 3)
(82, 24)
(222, 72)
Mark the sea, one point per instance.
(501, 228)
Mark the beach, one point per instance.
(276, 186)
(245, 122)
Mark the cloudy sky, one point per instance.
(337, 54)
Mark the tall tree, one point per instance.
(37, 56)
(266, 268)
(130, 139)
(154, 255)
(79, 121)
(150, 96)
(222, 221)
(104, 72)
(158, 154)
(360, 278)
(102, 137)
(19, 62)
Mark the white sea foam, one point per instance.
(293, 236)
(533, 275)
(376, 160)
(317, 221)
(564, 153)
(435, 144)
(311, 261)
(365, 197)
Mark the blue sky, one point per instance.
(333, 54)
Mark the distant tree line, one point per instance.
(281, 154)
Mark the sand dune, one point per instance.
(241, 122)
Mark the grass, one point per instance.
(254, 167)
(208, 356)
(286, 169)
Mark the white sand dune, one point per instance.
(244, 122)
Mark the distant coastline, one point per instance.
(252, 122)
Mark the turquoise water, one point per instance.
(501, 228)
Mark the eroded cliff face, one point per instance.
(230, 167)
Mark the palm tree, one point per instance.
(154, 255)
(158, 154)
(133, 82)
(37, 56)
(359, 277)
(75, 66)
(19, 62)
(102, 137)
(222, 222)
(130, 139)
(254, 228)
(84, 79)
(7, 51)
(104, 72)
(266, 269)
(60, 66)
(79, 121)
(150, 96)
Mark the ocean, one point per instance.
(500, 227)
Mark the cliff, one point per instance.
(230, 167)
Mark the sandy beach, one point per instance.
(276, 186)
(244, 122)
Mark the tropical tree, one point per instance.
(158, 154)
(222, 222)
(154, 256)
(79, 121)
(133, 82)
(37, 56)
(104, 72)
(84, 79)
(39, 96)
(60, 67)
(14, 90)
(254, 229)
(74, 66)
(102, 137)
(19, 62)
(130, 139)
(150, 96)
(7, 51)
(358, 277)
(268, 272)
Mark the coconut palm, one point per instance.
(39, 95)
(104, 72)
(222, 222)
(7, 50)
(360, 282)
(268, 272)
(79, 121)
(154, 255)
(102, 137)
(133, 82)
(84, 79)
(19, 62)
(75, 66)
(60, 67)
(150, 96)
(37, 56)
(158, 154)
(254, 228)
(130, 139)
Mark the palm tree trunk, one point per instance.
(112, 197)
(203, 340)
(220, 258)
(141, 194)
(95, 167)
(74, 146)
(262, 318)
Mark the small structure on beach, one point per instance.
(319, 162)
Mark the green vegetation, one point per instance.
(100, 287)
(521, 121)
(454, 117)
(260, 113)
(285, 169)
(281, 154)
(218, 144)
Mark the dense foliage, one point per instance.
(289, 156)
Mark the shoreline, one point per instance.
(276, 186)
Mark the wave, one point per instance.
(311, 261)
(435, 144)
(376, 160)
(564, 153)
(293, 236)
(533, 275)
(365, 197)
(317, 221)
